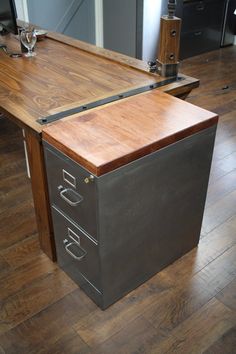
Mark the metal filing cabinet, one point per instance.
(126, 219)
(127, 185)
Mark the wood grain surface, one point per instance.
(168, 51)
(66, 75)
(59, 76)
(112, 136)
(178, 88)
(111, 55)
(189, 307)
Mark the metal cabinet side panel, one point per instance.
(150, 212)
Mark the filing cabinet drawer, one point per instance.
(68, 190)
(77, 254)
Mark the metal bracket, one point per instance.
(90, 105)
(167, 69)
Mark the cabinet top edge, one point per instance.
(114, 135)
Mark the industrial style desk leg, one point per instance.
(40, 193)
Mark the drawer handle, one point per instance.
(200, 7)
(74, 247)
(70, 196)
(197, 33)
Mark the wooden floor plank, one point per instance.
(49, 325)
(228, 295)
(34, 299)
(167, 312)
(226, 344)
(14, 198)
(228, 163)
(192, 336)
(70, 343)
(226, 127)
(26, 275)
(225, 148)
(4, 267)
(98, 326)
(17, 223)
(221, 188)
(140, 337)
(136, 336)
(22, 252)
(220, 211)
(220, 272)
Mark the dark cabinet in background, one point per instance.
(202, 25)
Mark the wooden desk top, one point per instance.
(66, 75)
(112, 136)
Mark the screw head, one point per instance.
(89, 179)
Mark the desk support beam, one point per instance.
(40, 193)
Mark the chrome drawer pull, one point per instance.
(76, 248)
(70, 196)
(200, 7)
(197, 33)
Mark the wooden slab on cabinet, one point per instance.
(107, 138)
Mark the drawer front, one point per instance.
(68, 190)
(199, 14)
(197, 42)
(194, 15)
(77, 254)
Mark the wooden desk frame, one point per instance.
(33, 139)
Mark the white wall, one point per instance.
(99, 22)
(22, 13)
(119, 24)
(22, 10)
(74, 18)
(152, 11)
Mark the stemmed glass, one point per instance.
(28, 38)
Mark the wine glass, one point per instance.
(28, 39)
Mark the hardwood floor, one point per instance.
(189, 307)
